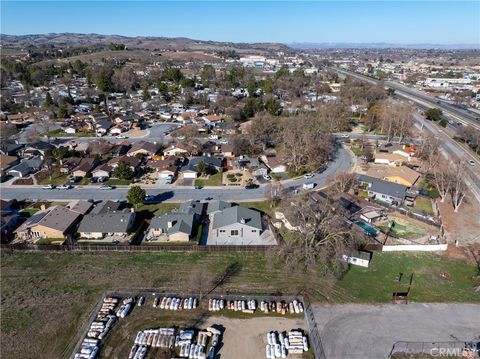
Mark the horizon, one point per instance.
(347, 22)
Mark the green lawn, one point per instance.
(423, 204)
(159, 208)
(47, 296)
(28, 212)
(376, 283)
(118, 182)
(212, 180)
(84, 181)
(263, 206)
(56, 179)
(432, 191)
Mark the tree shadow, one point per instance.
(226, 276)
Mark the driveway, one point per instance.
(369, 331)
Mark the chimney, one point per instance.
(132, 210)
(242, 220)
(169, 224)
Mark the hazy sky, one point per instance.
(402, 22)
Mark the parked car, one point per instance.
(121, 136)
(102, 179)
(208, 198)
(106, 186)
(48, 187)
(169, 180)
(198, 187)
(93, 180)
(74, 180)
(141, 300)
(251, 186)
(308, 185)
(64, 186)
(308, 175)
(267, 177)
(471, 163)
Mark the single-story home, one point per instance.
(103, 170)
(399, 174)
(172, 227)
(53, 223)
(109, 223)
(384, 191)
(143, 148)
(239, 223)
(25, 167)
(84, 168)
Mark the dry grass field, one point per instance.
(46, 297)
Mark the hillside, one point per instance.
(140, 42)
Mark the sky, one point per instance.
(396, 22)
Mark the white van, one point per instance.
(308, 185)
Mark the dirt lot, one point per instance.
(243, 337)
(464, 225)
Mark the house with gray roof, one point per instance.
(116, 225)
(238, 225)
(217, 206)
(384, 191)
(26, 167)
(192, 207)
(173, 227)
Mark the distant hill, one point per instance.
(379, 45)
(139, 42)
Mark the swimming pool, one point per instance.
(367, 228)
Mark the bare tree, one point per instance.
(324, 236)
(429, 152)
(458, 187)
(274, 192)
(343, 182)
(442, 178)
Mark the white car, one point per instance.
(308, 175)
(267, 177)
(64, 186)
(471, 163)
(345, 135)
(121, 136)
(106, 186)
(48, 187)
(309, 185)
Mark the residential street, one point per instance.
(343, 162)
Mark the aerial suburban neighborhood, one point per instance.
(229, 190)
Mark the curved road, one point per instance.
(343, 161)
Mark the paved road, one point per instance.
(342, 162)
(369, 331)
(422, 98)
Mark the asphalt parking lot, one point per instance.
(370, 331)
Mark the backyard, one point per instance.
(52, 294)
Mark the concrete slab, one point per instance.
(370, 331)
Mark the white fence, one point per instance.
(415, 247)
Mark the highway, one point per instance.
(421, 98)
(343, 161)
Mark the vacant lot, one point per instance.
(45, 298)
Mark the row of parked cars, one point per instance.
(67, 186)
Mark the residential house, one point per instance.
(393, 159)
(227, 150)
(400, 174)
(256, 167)
(9, 148)
(84, 168)
(215, 207)
(82, 207)
(112, 224)
(166, 167)
(102, 126)
(25, 167)
(102, 171)
(7, 162)
(173, 227)
(276, 164)
(37, 149)
(68, 164)
(143, 148)
(212, 120)
(190, 170)
(237, 225)
(133, 162)
(176, 150)
(53, 223)
(384, 191)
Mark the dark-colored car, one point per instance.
(251, 186)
